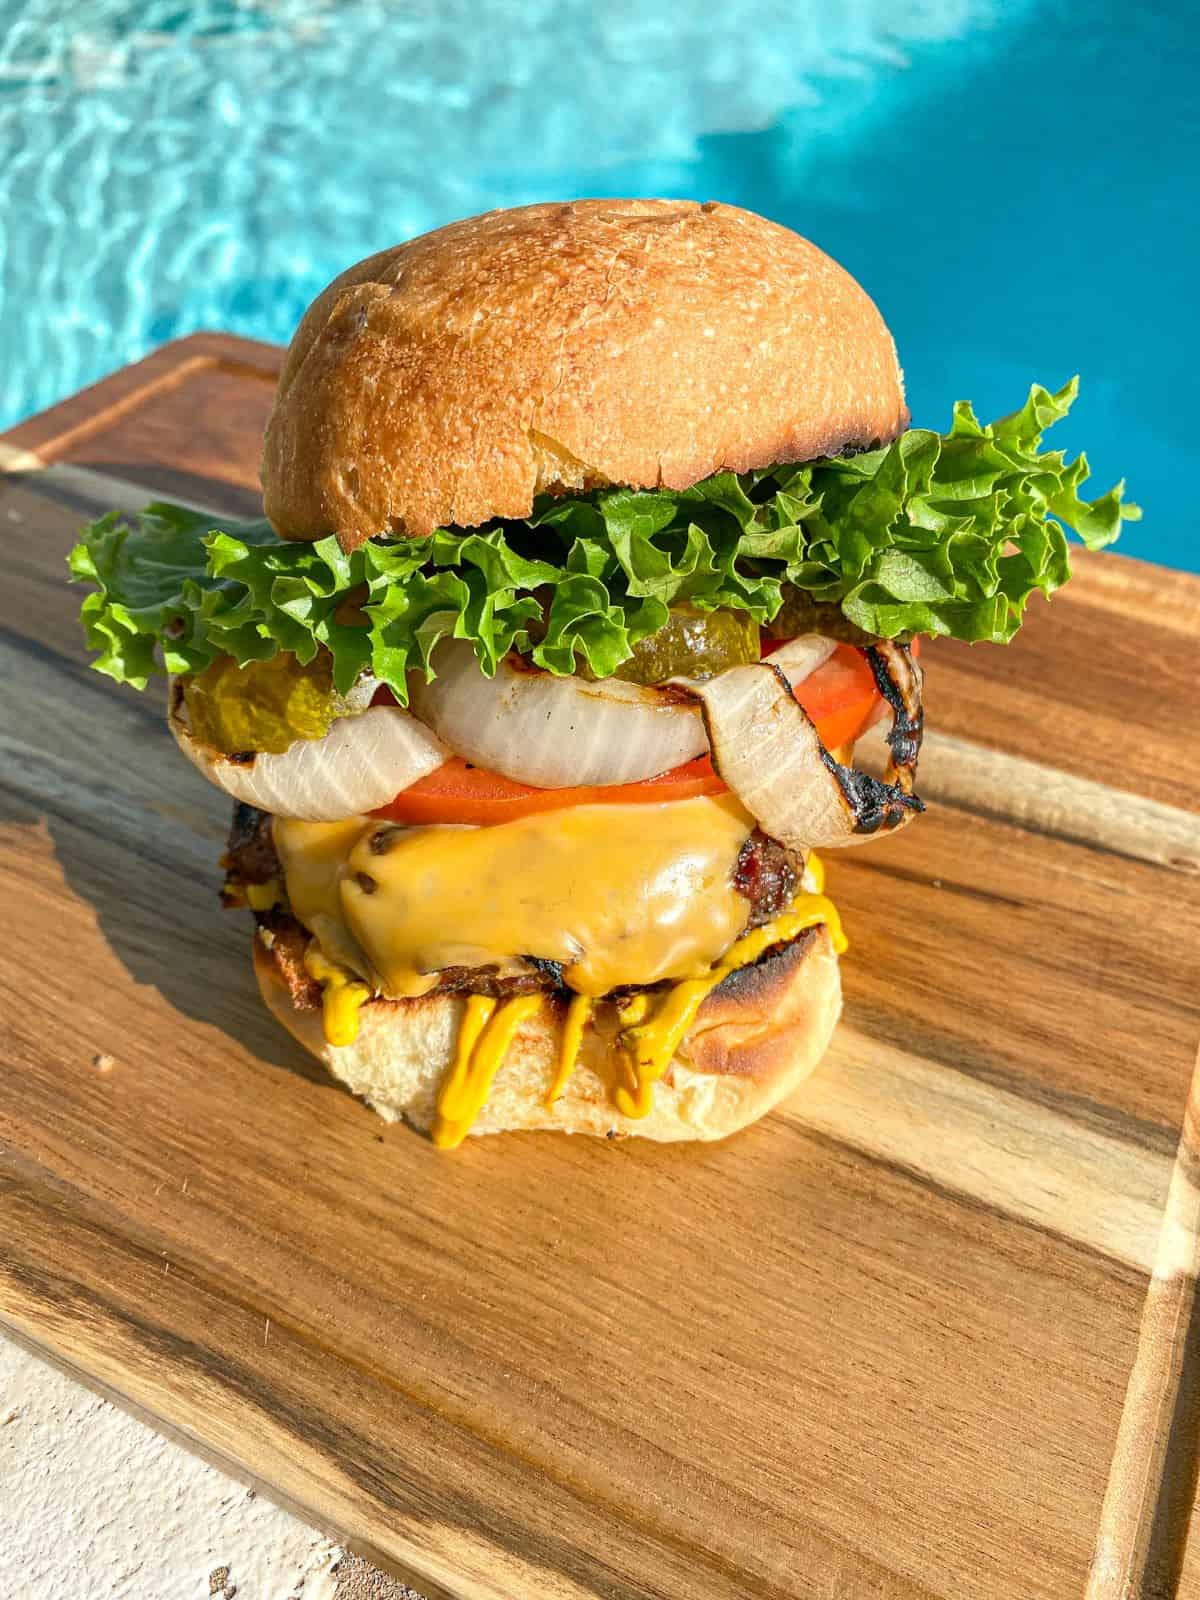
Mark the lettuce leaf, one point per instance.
(934, 533)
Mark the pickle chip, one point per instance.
(265, 705)
(693, 644)
(801, 613)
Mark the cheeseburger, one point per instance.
(595, 537)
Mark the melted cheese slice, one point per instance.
(616, 894)
(313, 856)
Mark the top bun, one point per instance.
(557, 348)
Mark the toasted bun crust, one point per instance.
(555, 348)
(755, 1039)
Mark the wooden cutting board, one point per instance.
(877, 1345)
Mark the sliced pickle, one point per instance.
(265, 705)
(801, 613)
(693, 644)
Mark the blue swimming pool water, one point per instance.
(1015, 183)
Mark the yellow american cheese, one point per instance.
(617, 895)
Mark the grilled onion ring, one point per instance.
(767, 749)
(362, 762)
(565, 732)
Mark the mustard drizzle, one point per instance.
(342, 997)
(487, 1030)
(649, 1048)
(576, 1019)
(262, 896)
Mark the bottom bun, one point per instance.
(755, 1038)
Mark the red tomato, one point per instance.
(840, 697)
(459, 792)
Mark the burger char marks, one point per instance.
(287, 940)
(768, 875)
(250, 850)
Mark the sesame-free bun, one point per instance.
(755, 1038)
(557, 348)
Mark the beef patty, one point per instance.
(766, 873)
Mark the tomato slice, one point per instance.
(840, 697)
(459, 792)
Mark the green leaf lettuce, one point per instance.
(934, 533)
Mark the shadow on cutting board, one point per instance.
(136, 835)
(197, 957)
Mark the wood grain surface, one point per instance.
(877, 1345)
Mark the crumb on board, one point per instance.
(103, 1062)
